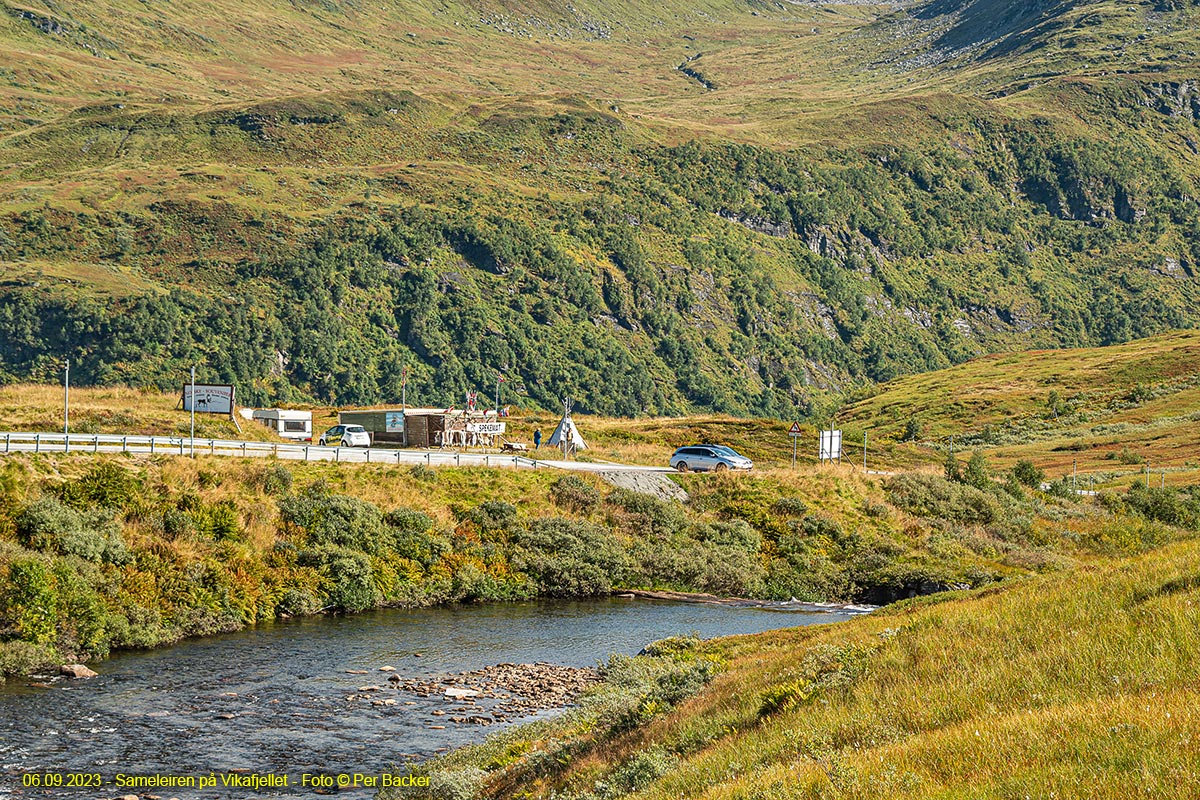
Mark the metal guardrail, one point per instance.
(23, 442)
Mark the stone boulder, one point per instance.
(76, 671)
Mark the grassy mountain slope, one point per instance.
(1109, 412)
(740, 207)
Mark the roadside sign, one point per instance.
(831, 445)
(490, 428)
(794, 430)
(210, 398)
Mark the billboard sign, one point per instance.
(393, 421)
(211, 398)
(831, 445)
(488, 428)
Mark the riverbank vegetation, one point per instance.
(104, 552)
(1072, 685)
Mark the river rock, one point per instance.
(455, 693)
(387, 669)
(77, 671)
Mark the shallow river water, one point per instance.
(273, 699)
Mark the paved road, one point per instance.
(26, 442)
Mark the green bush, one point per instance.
(790, 507)
(49, 525)
(21, 658)
(105, 485)
(276, 479)
(176, 524)
(977, 473)
(28, 603)
(1028, 474)
(495, 519)
(569, 558)
(219, 521)
(936, 497)
(1165, 504)
(298, 603)
(646, 516)
(575, 494)
(321, 519)
(350, 585)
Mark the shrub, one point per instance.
(22, 658)
(913, 430)
(1127, 456)
(28, 602)
(336, 520)
(217, 521)
(935, 497)
(495, 519)
(276, 479)
(876, 510)
(574, 493)
(107, 485)
(568, 558)
(51, 526)
(977, 473)
(407, 520)
(645, 515)
(790, 507)
(1165, 504)
(1028, 474)
(176, 524)
(784, 697)
(951, 469)
(423, 473)
(297, 602)
(350, 585)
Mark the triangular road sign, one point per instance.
(794, 430)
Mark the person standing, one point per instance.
(537, 438)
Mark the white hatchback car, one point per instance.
(346, 436)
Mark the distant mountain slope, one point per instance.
(743, 207)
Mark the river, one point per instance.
(273, 698)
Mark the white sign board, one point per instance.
(210, 398)
(489, 428)
(831, 445)
(393, 421)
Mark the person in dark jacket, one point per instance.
(537, 438)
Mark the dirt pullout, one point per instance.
(651, 483)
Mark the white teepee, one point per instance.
(567, 430)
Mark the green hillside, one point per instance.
(1108, 413)
(741, 207)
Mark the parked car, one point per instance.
(346, 436)
(705, 457)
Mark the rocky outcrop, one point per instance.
(651, 483)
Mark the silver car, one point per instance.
(705, 457)
(346, 436)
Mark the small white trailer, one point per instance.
(287, 423)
